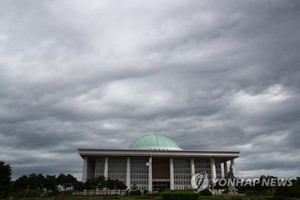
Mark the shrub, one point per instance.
(161, 190)
(142, 197)
(206, 192)
(180, 195)
(111, 197)
(287, 192)
(278, 198)
(135, 192)
(238, 198)
(152, 195)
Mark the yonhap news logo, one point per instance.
(201, 181)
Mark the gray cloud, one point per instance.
(209, 74)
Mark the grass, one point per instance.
(217, 197)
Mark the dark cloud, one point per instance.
(209, 74)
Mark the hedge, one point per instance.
(135, 192)
(179, 195)
(206, 192)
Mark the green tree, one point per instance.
(21, 185)
(120, 186)
(70, 182)
(88, 185)
(40, 183)
(111, 184)
(50, 184)
(62, 180)
(289, 191)
(32, 183)
(79, 186)
(5, 178)
(95, 185)
(101, 182)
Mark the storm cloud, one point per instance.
(208, 74)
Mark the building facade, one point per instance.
(153, 162)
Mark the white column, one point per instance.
(171, 174)
(233, 167)
(128, 173)
(150, 175)
(225, 168)
(213, 168)
(106, 167)
(192, 167)
(85, 169)
(232, 188)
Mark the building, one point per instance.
(153, 162)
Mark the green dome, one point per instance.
(155, 142)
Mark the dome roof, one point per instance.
(154, 142)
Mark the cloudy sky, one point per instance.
(98, 74)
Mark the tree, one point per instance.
(66, 181)
(289, 191)
(110, 184)
(21, 184)
(94, 183)
(101, 182)
(50, 184)
(32, 183)
(70, 181)
(62, 180)
(40, 183)
(5, 178)
(79, 186)
(88, 185)
(120, 186)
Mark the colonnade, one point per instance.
(87, 168)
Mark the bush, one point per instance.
(206, 192)
(152, 195)
(142, 197)
(238, 198)
(287, 192)
(179, 195)
(278, 198)
(162, 190)
(111, 197)
(135, 192)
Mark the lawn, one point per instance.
(218, 197)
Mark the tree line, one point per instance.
(292, 190)
(257, 188)
(63, 184)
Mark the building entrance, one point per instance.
(157, 185)
(161, 174)
(160, 168)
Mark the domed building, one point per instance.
(154, 142)
(153, 162)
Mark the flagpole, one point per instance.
(150, 172)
